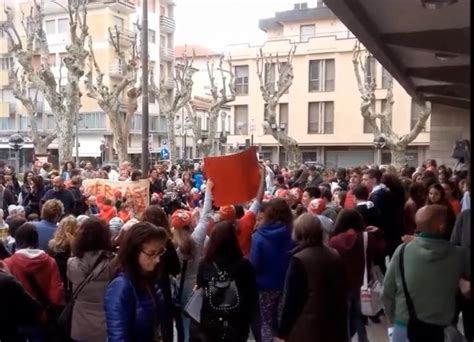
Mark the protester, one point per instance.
(355, 179)
(224, 258)
(93, 267)
(132, 302)
(417, 199)
(269, 254)
(432, 268)
(315, 276)
(61, 194)
(51, 212)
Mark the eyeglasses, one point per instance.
(154, 254)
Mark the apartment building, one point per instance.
(321, 110)
(93, 126)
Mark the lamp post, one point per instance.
(145, 103)
(379, 144)
(16, 142)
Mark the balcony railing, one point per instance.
(125, 4)
(344, 34)
(166, 54)
(125, 36)
(167, 25)
(116, 70)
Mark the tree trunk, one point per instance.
(398, 156)
(40, 146)
(171, 136)
(120, 138)
(211, 140)
(65, 141)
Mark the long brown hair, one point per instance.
(278, 211)
(182, 240)
(131, 247)
(223, 244)
(157, 216)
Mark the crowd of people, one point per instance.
(286, 266)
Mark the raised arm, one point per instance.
(199, 233)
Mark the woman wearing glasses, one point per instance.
(133, 304)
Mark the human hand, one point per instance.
(465, 287)
(209, 185)
(408, 238)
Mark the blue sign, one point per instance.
(164, 153)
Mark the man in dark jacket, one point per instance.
(314, 179)
(60, 193)
(79, 201)
(366, 208)
(18, 307)
(7, 198)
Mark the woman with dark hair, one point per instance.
(270, 255)
(314, 283)
(188, 181)
(224, 256)
(25, 187)
(136, 175)
(348, 240)
(437, 195)
(133, 308)
(32, 200)
(417, 197)
(66, 171)
(450, 190)
(169, 266)
(93, 259)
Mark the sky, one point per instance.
(217, 23)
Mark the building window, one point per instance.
(24, 123)
(370, 67)
(322, 75)
(306, 32)
(320, 3)
(270, 77)
(241, 120)
(50, 26)
(385, 77)
(283, 115)
(93, 120)
(151, 36)
(63, 25)
(154, 122)
(242, 79)
(118, 22)
(5, 124)
(136, 124)
(52, 60)
(6, 63)
(416, 111)
(321, 118)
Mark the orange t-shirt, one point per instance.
(455, 205)
(349, 202)
(244, 231)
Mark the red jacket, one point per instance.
(43, 268)
(107, 212)
(350, 245)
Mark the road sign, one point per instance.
(164, 153)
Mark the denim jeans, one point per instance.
(356, 323)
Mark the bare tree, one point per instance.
(118, 100)
(64, 101)
(271, 95)
(194, 117)
(381, 123)
(171, 103)
(220, 97)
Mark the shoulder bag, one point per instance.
(419, 331)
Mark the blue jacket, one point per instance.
(197, 179)
(46, 232)
(270, 255)
(132, 314)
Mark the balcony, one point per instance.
(126, 37)
(167, 25)
(120, 5)
(166, 54)
(116, 71)
(168, 83)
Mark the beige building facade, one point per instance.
(321, 110)
(93, 126)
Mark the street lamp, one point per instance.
(379, 144)
(16, 142)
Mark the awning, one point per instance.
(426, 50)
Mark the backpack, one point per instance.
(221, 305)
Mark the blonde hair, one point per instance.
(64, 235)
(182, 240)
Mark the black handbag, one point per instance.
(417, 330)
(65, 318)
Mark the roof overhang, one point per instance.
(426, 50)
